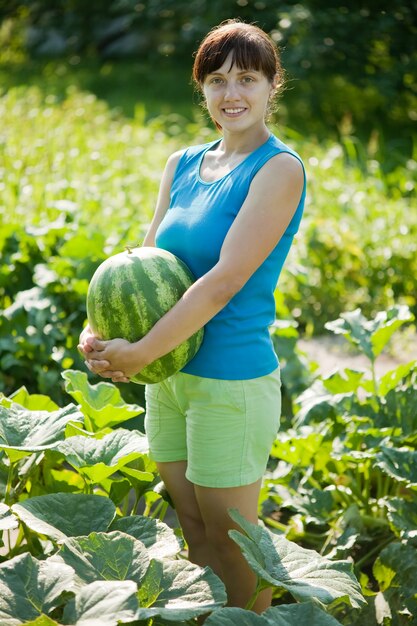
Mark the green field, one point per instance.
(80, 163)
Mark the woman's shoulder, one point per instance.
(198, 149)
(188, 154)
(280, 146)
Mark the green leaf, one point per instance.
(29, 588)
(101, 403)
(399, 409)
(137, 475)
(386, 323)
(159, 539)
(315, 504)
(43, 620)
(304, 573)
(62, 515)
(282, 615)
(343, 544)
(402, 515)
(371, 336)
(234, 616)
(402, 560)
(33, 401)
(317, 403)
(390, 380)
(99, 458)
(7, 520)
(298, 615)
(23, 431)
(102, 603)
(400, 464)
(104, 556)
(179, 590)
(299, 447)
(384, 574)
(344, 381)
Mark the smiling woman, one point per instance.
(243, 49)
(229, 209)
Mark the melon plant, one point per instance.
(129, 292)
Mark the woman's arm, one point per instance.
(164, 197)
(263, 218)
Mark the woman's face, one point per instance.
(237, 99)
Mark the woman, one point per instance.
(229, 209)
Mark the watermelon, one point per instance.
(129, 292)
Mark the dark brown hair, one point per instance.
(251, 47)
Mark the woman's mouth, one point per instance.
(234, 111)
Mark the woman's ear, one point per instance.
(275, 82)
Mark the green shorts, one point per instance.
(224, 429)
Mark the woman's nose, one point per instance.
(231, 92)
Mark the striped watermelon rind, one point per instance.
(129, 292)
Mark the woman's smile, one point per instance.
(234, 111)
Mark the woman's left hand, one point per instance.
(117, 359)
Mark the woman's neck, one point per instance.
(243, 143)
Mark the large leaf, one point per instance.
(371, 336)
(234, 617)
(403, 517)
(29, 588)
(395, 570)
(101, 403)
(344, 381)
(179, 590)
(304, 573)
(99, 458)
(282, 615)
(33, 401)
(315, 504)
(23, 431)
(104, 556)
(102, 603)
(159, 539)
(317, 403)
(43, 620)
(298, 615)
(399, 409)
(8, 521)
(62, 515)
(391, 379)
(400, 464)
(299, 447)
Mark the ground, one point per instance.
(332, 352)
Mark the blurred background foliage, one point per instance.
(351, 66)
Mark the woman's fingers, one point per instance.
(97, 367)
(95, 344)
(84, 348)
(117, 377)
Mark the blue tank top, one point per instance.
(237, 343)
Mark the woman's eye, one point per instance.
(216, 81)
(248, 79)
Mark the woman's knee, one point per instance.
(218, 537)
(192, 525)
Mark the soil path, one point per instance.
(332, 352)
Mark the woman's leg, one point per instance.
(239, 579)
(203, 515)
(183, 495)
